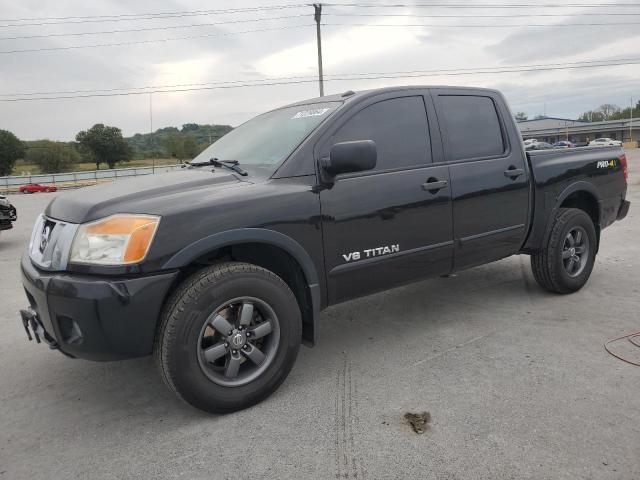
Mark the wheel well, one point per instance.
(271, 258)
(586, 202)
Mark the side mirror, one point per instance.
(348, 157)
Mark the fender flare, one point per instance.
(580, 186)
(256, 235)
(577, 187)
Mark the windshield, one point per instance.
(268, 138)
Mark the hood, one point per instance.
(150, 194)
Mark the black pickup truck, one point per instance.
(221, 269)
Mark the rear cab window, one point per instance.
(398, 126)
(472, 127)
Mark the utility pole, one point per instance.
(318, 16)
(150, 113)
(631, 122)
(153, 161)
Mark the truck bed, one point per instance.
(598, 173)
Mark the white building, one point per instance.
(550, 129)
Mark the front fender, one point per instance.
(254, 235)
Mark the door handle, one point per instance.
(513, 172)
(434, 186)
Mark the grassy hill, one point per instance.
(160, 146)
(155, 145)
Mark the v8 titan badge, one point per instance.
(371, 252)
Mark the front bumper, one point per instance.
(95, 318)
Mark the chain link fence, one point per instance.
(79, 179)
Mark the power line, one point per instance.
(41, 21)
(152, 87)
(229, 22)
(446, 25)
(363, 76)
(141, 42)
(483, 6)
(146, 29)
(222, 82)
(222, 34)
(140, 16)
(516, 15)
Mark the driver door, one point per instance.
(386, 227)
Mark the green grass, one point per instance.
(31, 169)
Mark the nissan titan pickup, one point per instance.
(222, 268)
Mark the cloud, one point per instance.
(545, 43)
(287, 52)
(339, 49)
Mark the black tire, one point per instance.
(549, 268)
(186, 315)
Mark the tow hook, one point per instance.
(34, 328)
(28, 321)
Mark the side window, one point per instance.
(473, 128)
(398, 126)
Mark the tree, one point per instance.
(52, 157)
(105, 144)
(190, 127)
(190, 146)
(521, 116)
(608, 110)
(604, 112)
(11, 149)
(181, 146)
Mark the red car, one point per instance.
(36, 187)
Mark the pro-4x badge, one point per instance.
(606, 164)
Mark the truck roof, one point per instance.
(351, 95)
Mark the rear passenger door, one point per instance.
(489, 177)
(386, 227)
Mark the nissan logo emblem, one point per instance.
(44, 238)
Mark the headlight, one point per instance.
(4, 202)
(116, 240)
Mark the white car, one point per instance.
(605, 142)
(530, 141)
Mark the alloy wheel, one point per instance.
(575, 251)
(238, 341)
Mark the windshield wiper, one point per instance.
(233, 165)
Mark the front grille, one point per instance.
(50, 243)
(45, 234)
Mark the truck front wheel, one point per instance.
(564, 263)
(228, 337)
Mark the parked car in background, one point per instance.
(564, 144)
(530, 141)
(605, 142)
(36, 187)
(8, 214)
(538, 146)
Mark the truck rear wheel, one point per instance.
(565, 263)
(229, 336)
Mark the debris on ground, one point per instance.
(419, 422)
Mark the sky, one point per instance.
(260, 45)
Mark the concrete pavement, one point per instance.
(516, 381)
